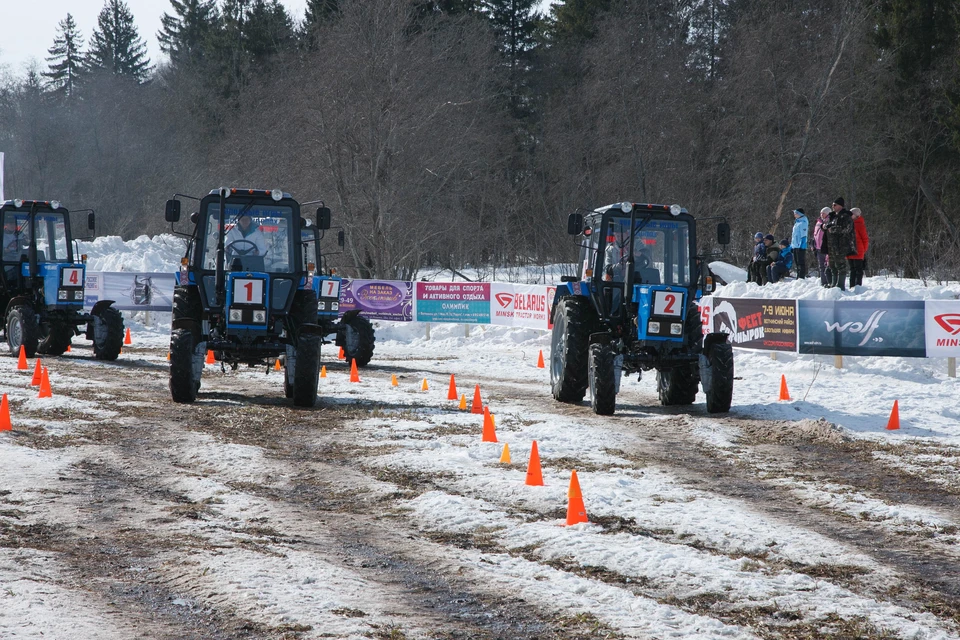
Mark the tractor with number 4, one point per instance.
(41, 284)
(633, 308)
(245, 290)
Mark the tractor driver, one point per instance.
(615, 261)
(246, 238)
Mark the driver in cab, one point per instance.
(246, 239)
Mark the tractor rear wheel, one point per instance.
(572, 321)
(603, 381)
(677, 385)
(22, 329)
(718, 383)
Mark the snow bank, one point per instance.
(142, 255)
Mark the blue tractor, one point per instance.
(245, 291)
(633, 308)
(41, 284)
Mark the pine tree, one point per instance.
(575, 19)
(185, 35)
(65, 62)
(116, 46)
(269, 29)
(514, 25)
(319, 12)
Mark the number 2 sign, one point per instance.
(667, 303)
(248, 290)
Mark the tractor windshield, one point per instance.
(661, 251)
(16, 235)
(259, 237)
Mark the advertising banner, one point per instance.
(519, 305)
(757, 323)
(1, 177)
(706, 313)
(130, 291)
(942, 324)
(380, 299)
(862, 328)
(459, 302)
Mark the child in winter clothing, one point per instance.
(754, 272)
(855, 260)
(782, 264)
(820, 246)
(799, 242)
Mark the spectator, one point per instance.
(856, 261)
(759, 251)
(770, 252)
(782, 262)
(820, 246)
(841, 242)
(799, 242)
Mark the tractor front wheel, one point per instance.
(22, 329)
(716, 373)
(568, 349)
(677, 385)
(603, 379)
(306, 371)
(107, 334)
(56, 340)
(358, 340)
(185, 366)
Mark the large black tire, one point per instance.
(358, 340)
(306, 373)
(186, 304)
(718, 382)
(184, 379)
(572, 322)
(22, 329)
(677, 385)
(108, 336)
(56, 341)
(603, 381)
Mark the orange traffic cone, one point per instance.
(323, 371)
(534, 475)
(489, 428)
(393, 380)
(45, 391)
(22, 361)
(540, 364)
(168, 356)
(477, 406)
(341, 356)
(424, 386)
(126, 338)
(463, 402)
(784, 394)
(37, 374)
(452, 391)
(210, 359)
(576, 512)
(276, 365)
(69, 349)
(354, 374)
(5, 415)
(505, 456)
(894, 422)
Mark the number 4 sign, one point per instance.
(667, 303)
(71, 277)
(248, 291)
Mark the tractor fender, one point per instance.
(350, 315)
(568, 290)
(99, 306)
(711, 339)
(311, 329)
(17, 301)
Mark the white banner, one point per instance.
(942, 327)
(130, 291)
(520, 305)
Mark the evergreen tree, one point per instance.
(116, 46)
(65, 63)
(514, 25)
(318, 12)
(269, 29)
(185, 35)
(574, 19)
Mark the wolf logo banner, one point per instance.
(862, 328)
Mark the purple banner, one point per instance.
(381, 299)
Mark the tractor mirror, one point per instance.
(723, 233)
(574, 224)
(172, 213)
(341, 238)
(323, 218)
(91, 221)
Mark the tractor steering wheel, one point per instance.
(643, 261)
(245, 251)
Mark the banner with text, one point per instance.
(862, 327)
(942, 320)
(458, 302)
(130, 291)
(757, 323)
(520, 305)
(379, 299)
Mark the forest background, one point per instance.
(462, 132)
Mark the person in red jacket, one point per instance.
(855, 260)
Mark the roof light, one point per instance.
(675, 209)
(277, 195)
(626, 207)
(18, 203)
(54, 204)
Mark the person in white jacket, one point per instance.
(799, 242)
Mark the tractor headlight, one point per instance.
(334, 306)
(675, 209)
(676, 328)
(17, 202)
(626, 207)
(236, 315)
(54, 204)
(78, 294)
(61, 295)
(277, 195)
(260, 317)
(321, 306)
(653, 327)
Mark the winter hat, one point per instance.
(784, 243)
(758, 235)
(840, 201)
(798, 212)
(825, 211)
(769, 237)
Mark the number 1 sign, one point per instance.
(248, 291)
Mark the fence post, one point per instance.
(952, 367)
(428, 331)
(773, 355)
(838, 362)
(466, 331)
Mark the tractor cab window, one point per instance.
(309, 240)
(588, 248)
(16, 236)
(51, 229)
(661, 252)
(258, 237)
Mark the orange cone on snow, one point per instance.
(210, 359)
(354, 374)
(323, 371)
(489, 427)
(576, 512)
(126, 338)
(69, 350)
(341, 356)
(540, 364)
(424, 386)
(534, 474)
(5, 414)
(276, 365)
(452, 391)
(45, 391)
(168, 356)
(505, 456)
(784, 393)
(463, 402)
(393, 380)
(477, 405)
(22, 360)
(894, 422)
(37, 374)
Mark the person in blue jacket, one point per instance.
(799, 242)
(781, 266)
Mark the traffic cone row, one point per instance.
(893, 422)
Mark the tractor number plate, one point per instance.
(330, 289)
(71, 277)
(667, 303)
(248, 290)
